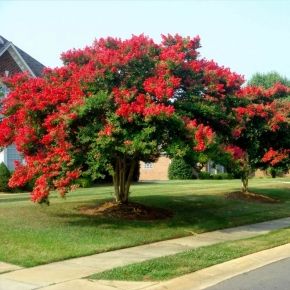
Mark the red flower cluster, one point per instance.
(236, 152)
(176, 48)
(277, 91)
(220, 81)
(252, 110)
(203, 136)
(107, 131)
(274, 157)
(254, 92)
(264, 105)
(162, 86)
(141, 105)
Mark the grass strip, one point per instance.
(169, 267)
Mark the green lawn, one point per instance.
(32, 234)
(193, 260)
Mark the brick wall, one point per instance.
(155, 170)
(8, 63)
(262, 173)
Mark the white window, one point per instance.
(148, 165)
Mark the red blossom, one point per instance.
(204, 136)
(107, 131)
(236, 152)
(274, 157)
(162, 86)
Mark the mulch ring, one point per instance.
(251, 196)
(130, 211)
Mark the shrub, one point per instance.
(205, 175)
(5, 175)
(218, 176)
(276, 172)
(84, 182)
(179, 169)
(222, 176)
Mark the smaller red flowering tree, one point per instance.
(261, 137)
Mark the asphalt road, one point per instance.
(270, 277)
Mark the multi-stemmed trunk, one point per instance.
(246, 171)
(245, 182)
(122, 178)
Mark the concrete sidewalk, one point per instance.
(61, 273)
(6, 267)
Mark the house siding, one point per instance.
(9, 154)
(12, 156)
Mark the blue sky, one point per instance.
(247, 36)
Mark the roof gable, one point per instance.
(27, 62)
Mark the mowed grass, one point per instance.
(32, 234)
(169, 267)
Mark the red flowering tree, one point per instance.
(113, 104)
(261, 138)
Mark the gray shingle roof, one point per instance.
(33, 64)
(3, 43)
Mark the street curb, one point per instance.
(215, 274)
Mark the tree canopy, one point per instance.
(117, 102)
(262, 135)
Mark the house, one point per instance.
(159, 170)
(14, 60)
(155, 170)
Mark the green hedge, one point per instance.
(179, 169)
(5, 175)
(207, 175)
(84, 182)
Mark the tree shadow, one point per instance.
(280, 194)
(201, 212)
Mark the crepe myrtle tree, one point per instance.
(111, 105)
(261, 138)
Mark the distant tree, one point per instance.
(4, 178)
(267, 80)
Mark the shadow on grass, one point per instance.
(14, 199)
(281, 194)
(198, 213)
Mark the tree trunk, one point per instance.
(245, 182)
(122, 178)
(246, 171)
